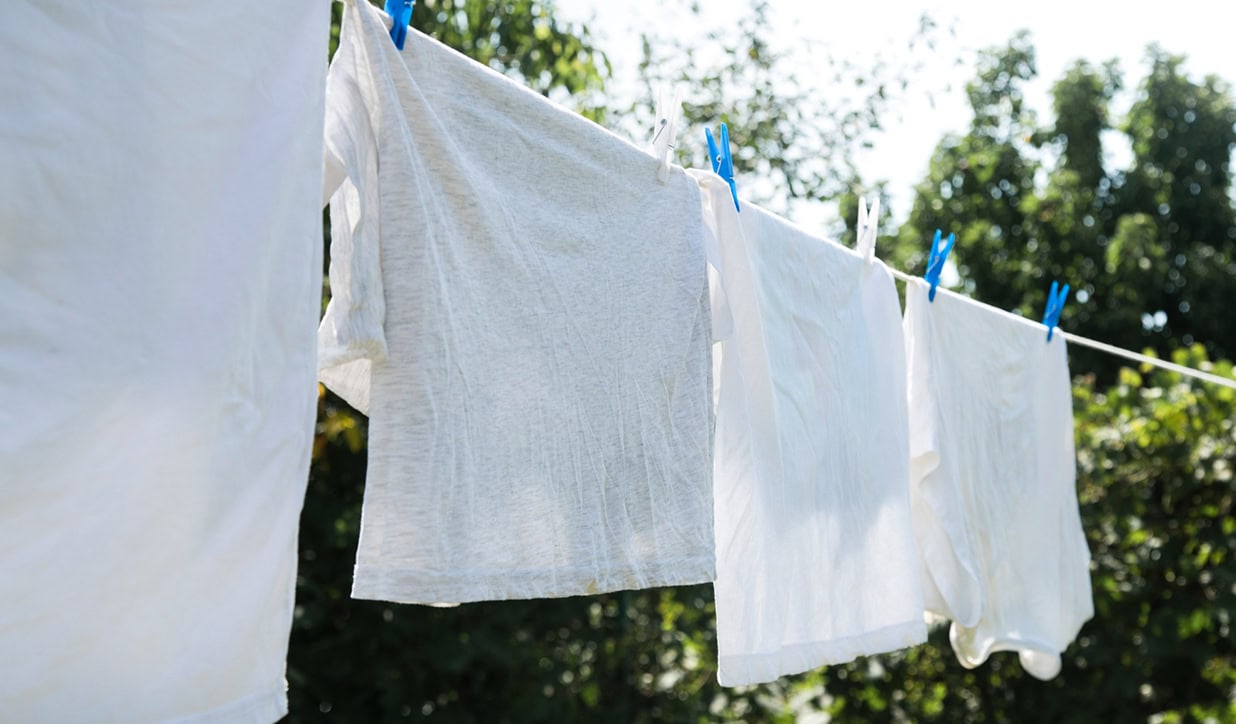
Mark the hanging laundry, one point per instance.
(160, 278)
(522, 310)
(993, 480)
(816, 560)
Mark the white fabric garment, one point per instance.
(993, 480)
(816, 560)
(522, 310)
(160, 276)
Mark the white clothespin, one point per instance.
(664, 128)
(868, 226)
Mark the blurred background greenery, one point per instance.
(1149, 251)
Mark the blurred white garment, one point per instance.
(160, 281)
(816, 561)
(993, 479)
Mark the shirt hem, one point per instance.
(264, 708)
(1021, 646)
(761, 668)
(418, 586)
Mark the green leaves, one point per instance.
(1156, 453)
(793, 145)
(1163, 581)
(522, 38)
(1149, 250)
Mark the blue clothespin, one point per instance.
(1055, 305)
(722, 161)
(935, 261)
(401, 12)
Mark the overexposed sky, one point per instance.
(1062, 31)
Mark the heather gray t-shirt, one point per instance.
(522, 310)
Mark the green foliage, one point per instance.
(1183, 133)
(1155, 465)
(1149, 251)
(1155, 453)
(629, 656)
(792, 145)
(522, 38)
(1156, 457)
(1080, 102)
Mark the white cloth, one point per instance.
(160, 274)
(993, 480)
(522, 309)
(816, 561)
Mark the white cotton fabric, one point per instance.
(522, 310)
(993, 480)
(816, 561)
(160, 277)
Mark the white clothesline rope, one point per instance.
(1121, 352)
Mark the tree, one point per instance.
(976, 183)
(522, 38)
(1183, 134)
(1156, 454)
(1155, 465)
(1148, 251)
(1156, 457)
(793, 146)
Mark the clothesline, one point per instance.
(1121, 352)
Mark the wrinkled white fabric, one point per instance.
(993, 480)
(816, 561)
(522, 310)
(160, 274)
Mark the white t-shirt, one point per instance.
(522, 310)
(160, 276)
(993, 480)
(816, 560)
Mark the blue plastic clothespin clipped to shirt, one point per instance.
(722, 161)
(1055, 305)
(935, 261)
(401, 12)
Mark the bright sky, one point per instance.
(1062, 31)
